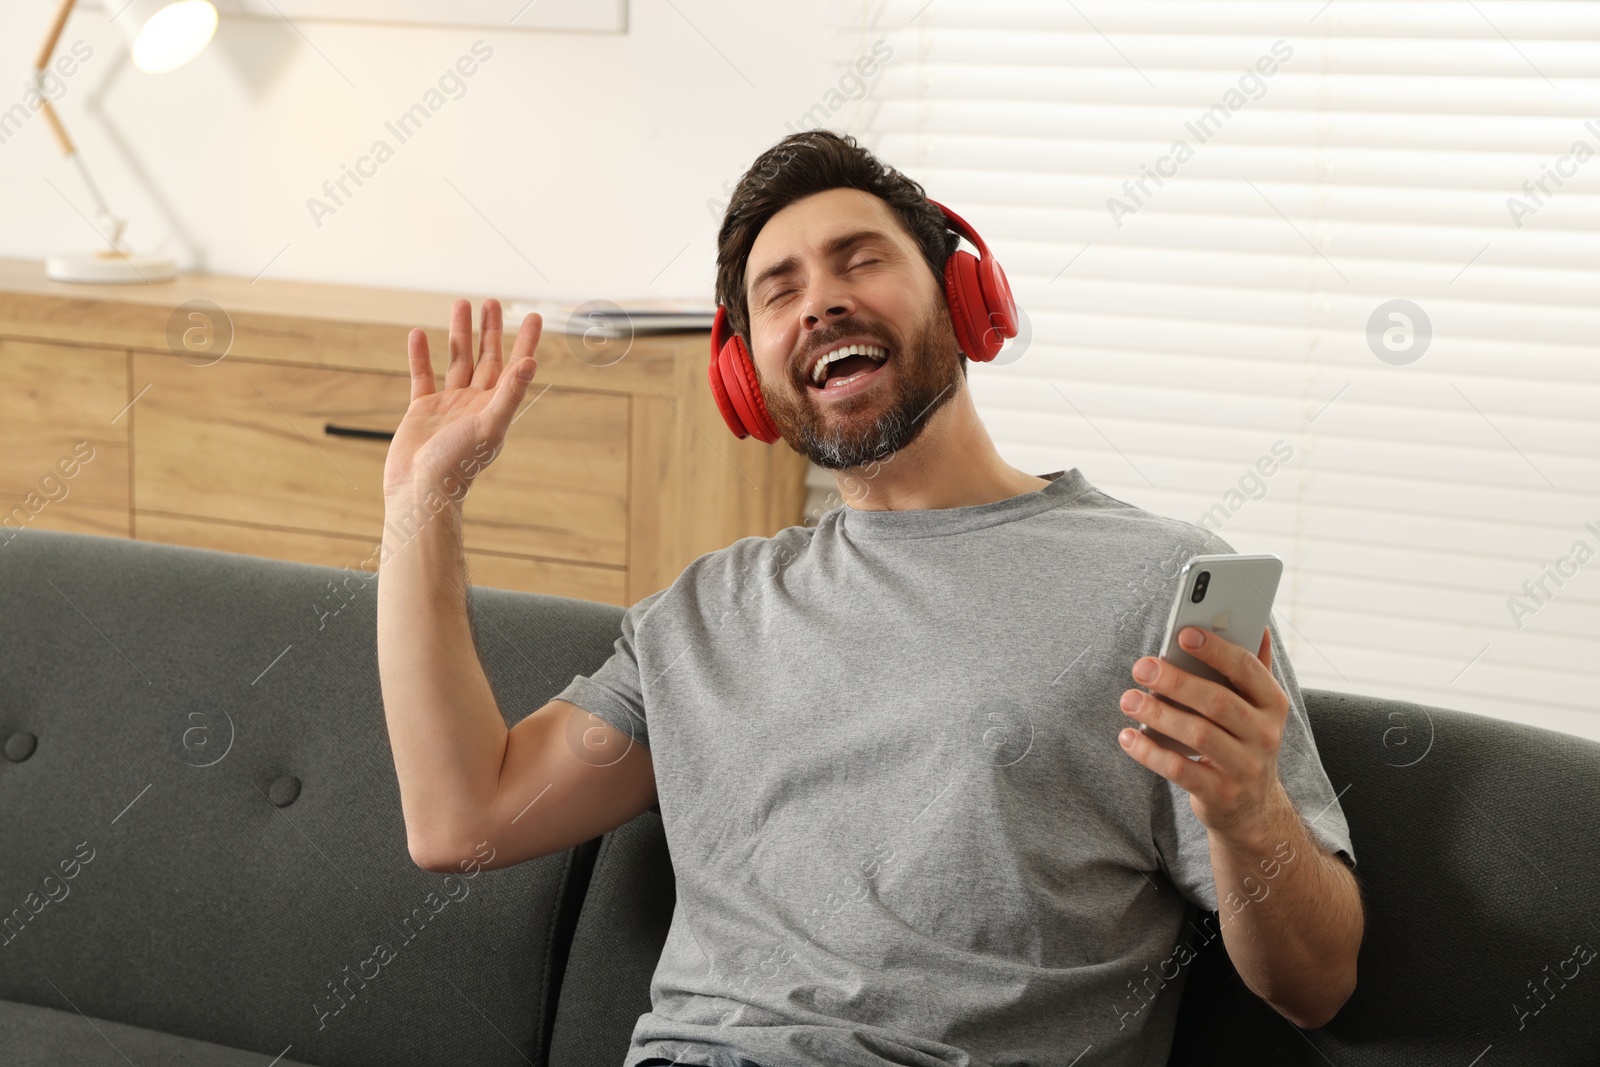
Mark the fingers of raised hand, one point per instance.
(508, 395)
(527, 336)
(420, 363)
(490, 362)
(459, 373)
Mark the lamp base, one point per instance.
(111, 268)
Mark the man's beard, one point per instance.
(926, 374)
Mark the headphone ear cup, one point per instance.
(719, 392)
(1000, 307)
(968, 315)
(982, 309)
(744, 392)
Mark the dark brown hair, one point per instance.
(813, 161)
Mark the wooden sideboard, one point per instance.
(122, 414)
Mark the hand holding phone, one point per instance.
(1229, 595)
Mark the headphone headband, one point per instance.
(963, 227)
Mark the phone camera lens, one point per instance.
(1200, 583)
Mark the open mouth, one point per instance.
(847, 366)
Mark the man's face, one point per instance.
(838, 266)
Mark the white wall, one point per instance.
(590, 157)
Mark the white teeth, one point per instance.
(820, 372)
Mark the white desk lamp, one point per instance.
(162, 35)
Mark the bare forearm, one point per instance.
(445, 729)
(1291, 918)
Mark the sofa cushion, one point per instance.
(203, 833)
(621, 931)
(45, 1037)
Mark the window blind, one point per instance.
(1355, 245)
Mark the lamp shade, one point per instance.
(165, 34)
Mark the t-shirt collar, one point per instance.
(929, 522)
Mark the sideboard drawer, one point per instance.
(249, 442)
(64, 436)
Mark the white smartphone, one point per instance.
(1227, 594)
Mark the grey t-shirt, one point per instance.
(901, 825)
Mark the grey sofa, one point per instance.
(202, 856)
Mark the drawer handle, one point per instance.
(356, 431)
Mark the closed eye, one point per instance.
(774, 297)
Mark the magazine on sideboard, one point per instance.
(610, 319)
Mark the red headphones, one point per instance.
(983, 314)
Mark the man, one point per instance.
(908, 817)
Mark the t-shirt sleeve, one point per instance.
(1304, 779)
(614, 692)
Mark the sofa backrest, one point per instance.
(202, 829)
(1478, 853)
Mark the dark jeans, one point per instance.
(657, 1061)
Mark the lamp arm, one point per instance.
(52, 38)
(109, 220)
(42, 64)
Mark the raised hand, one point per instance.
(454, 433)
